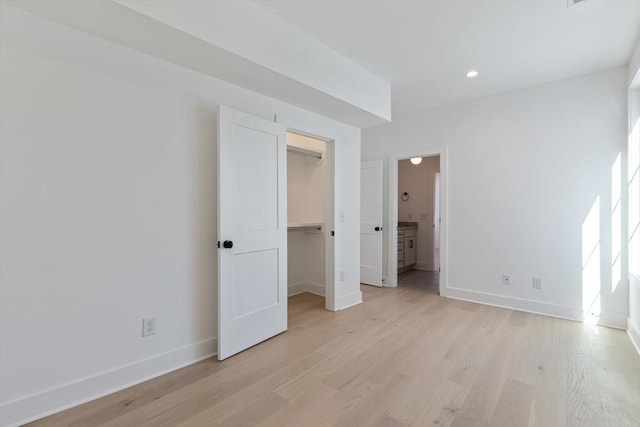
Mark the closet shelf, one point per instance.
(305, 226)
(305, 151)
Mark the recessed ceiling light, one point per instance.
(472, 73)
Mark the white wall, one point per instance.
(346, 223)
(307, 181)
(524, 170)
(633, 179)
(419, 182)
(108, 213)
(276, 45)
(239, 42)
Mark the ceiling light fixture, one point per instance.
(472, 73)
(416, 160)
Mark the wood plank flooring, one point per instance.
(403, 358)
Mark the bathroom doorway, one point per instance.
(418, 220)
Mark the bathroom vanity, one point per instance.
(407, 245)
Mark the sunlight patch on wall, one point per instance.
(616, 222)
(591, 260)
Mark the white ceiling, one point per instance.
(424, 48)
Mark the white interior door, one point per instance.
(371, 223)
(252, 228)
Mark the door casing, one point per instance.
(317, 132)
(392, 215)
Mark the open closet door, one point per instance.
(371, 223)
(252, 228)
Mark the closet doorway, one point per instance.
(310, 213)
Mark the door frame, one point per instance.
(392, 215)
(436, 218)
(318, 132)
(627, 228)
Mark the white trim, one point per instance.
(633, 112)
(616, 321)
(350, 300)
(35, 406)
(634, 334)
(310, 287)
(319, 131)
(529, 306)
(296, 289)
(315, 288)
(535, 307)
(423, 266)
(330, 253)
(392, 216)
(435, 245)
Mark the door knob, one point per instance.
(228, 244)
(378, 228)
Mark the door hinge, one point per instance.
(218, 244)
(333, 233)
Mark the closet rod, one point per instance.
(304, 151)
(295, 227)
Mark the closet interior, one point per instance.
(307, 188)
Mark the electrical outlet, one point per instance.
(342, 275)
(506, 279)
(148, 326)
(537, 283)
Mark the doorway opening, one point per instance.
(418, 218)
(309, 219)
(416, 256)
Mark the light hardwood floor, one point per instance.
(404, 357)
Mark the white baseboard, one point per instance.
(310, 287)
(316, 288)
(47, 402)
(349, 300)
(634, 334)
(612, 320)
(423, 266)
(536, 307)
(296, 289)
(515, 303)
